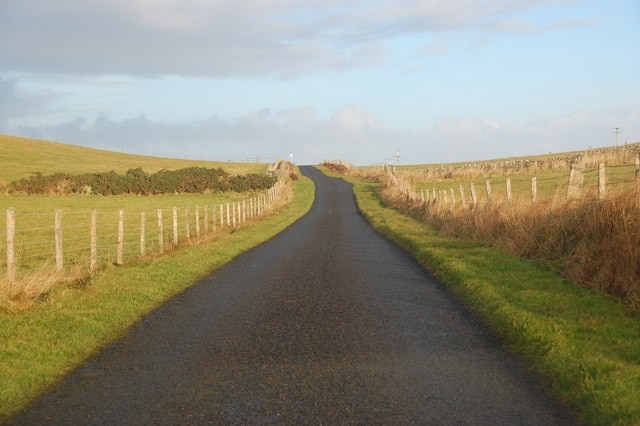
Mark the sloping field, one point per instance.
(33, 221)
(22, 157)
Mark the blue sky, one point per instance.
(439, 80)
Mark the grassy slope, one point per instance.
(41, 345)
(538, 157)
(580, 342)
(21, 157)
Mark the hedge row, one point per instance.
(136, 181)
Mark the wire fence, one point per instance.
(578, 182)
(92, 239)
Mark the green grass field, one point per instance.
(582, 343)
(34, 215)
(549, 183)
(72, 320)
(22, 157)
(43, 343)
(552, 176)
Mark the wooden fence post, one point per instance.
(509, 194)
(93, 262)
(474, 196)
(120, 249)
(534, 189)
(186, 222)
(488, 186)
(175, 226)
(463, 200)
(11, 245)
(233, 214)
(58, 240)
(206, 219)
(221, 215)
(453, 196)
(197, 221)
(602, 185)
(228, 214)
(143, 226)
(160, 231)
(576, 179)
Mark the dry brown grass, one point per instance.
(593, 242)
(35, 286)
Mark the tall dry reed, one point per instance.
(593, 242)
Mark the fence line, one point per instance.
(573, 186)
(136, 235)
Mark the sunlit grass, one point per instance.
(582, 343)
(550, 184)
(22, 157)
(551, 172)
(44, 343)
(34, 217)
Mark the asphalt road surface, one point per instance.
(327, 323)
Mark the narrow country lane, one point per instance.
(327, 323)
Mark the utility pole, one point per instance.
(617, 131)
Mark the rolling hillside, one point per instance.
(22, 157)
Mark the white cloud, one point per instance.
(222, 38)
(351, 134)
(472, 138)
(355, 118)
(68, 60)
(16, 101)
(170, 14)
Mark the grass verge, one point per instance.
(581, 342)
(43, 344)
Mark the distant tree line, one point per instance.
(136, 181)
